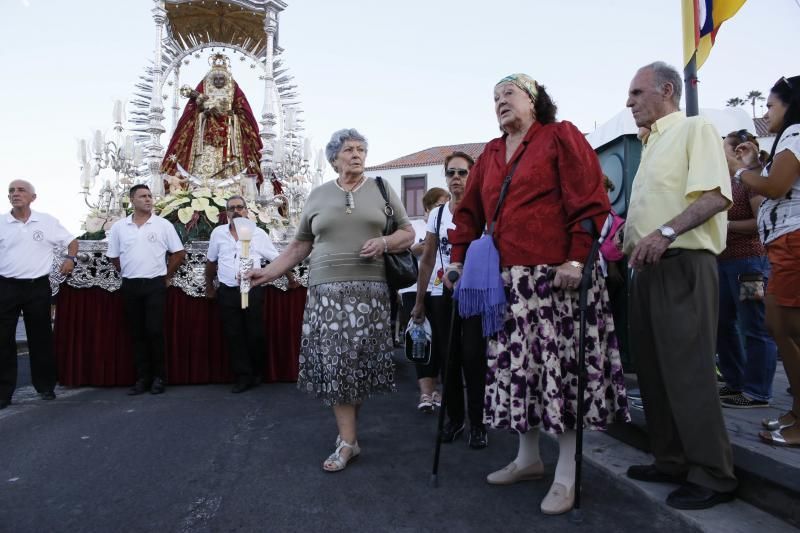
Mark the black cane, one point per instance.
(583, 296)
(452, 276)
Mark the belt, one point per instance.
(672, 252)
(24, 280)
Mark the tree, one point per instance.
(735, 102)
(754, 96)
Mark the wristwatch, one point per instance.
(668, 233)
(737, 176)
(73, 259)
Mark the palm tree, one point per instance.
(754, 96)
(735, 102)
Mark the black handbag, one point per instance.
(401, 267)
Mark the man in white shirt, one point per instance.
(243, 329)
(27, 240)
(138, 247)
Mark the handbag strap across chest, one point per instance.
(504, 191)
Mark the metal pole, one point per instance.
(690, 86)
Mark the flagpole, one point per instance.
(690, 86)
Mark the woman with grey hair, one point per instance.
(346, 345)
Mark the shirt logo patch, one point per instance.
(38, 235)
(151, 237)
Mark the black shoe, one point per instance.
(240, 386)
(691, 496)
(653, 475)
(141, 386)
(478, 439)
(452, 430)
(4, 403)
(158, 386)
(48, 395)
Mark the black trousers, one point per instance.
(243, 330)
(673, 320)
(145, 299)
(32, 298)
(467, 359)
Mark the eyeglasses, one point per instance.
(237, 207)
(450, 172)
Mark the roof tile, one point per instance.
(431, 156)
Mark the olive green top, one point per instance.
(339, 236)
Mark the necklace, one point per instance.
(349, 199)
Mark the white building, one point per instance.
(411, 175)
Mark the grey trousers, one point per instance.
(673, 320)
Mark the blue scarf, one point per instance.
(480, 290)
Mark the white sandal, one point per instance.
(335, 462)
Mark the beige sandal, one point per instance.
(335, 462)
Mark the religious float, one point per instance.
(217, 148)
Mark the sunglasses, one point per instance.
(450, 172)
(236, 207)
(785, 80)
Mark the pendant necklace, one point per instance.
(349, 199)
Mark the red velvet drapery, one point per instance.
(93, 348)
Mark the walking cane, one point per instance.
(583, 295)
(452, 276)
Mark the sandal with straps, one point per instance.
(775, 424)
(335, 462)
(776, 438)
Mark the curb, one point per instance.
(613, 458)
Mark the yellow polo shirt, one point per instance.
(683, 158)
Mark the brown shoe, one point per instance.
(559, 500)
(512, 474)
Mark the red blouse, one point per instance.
(557, 183)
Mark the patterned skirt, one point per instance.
(346, 343)
(531, 378)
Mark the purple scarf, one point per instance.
(480, 290)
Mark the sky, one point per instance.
(408, 75)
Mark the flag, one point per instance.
(701, 22)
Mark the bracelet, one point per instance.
(385, 245)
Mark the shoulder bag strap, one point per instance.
(438, 232)
(387, 209)
(504, 191)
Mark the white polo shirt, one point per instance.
(142, 249)
(26, 249)
(226, 251)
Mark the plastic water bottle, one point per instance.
(418, 342)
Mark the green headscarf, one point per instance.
(524, 82)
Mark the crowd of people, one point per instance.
(712, 240)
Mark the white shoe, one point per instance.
(335, 462)
(425, 403)
(512, 474)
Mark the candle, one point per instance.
(128, 147)
(99, 143)
(117, 114)
(244, 231)
(321, 160)
(290, 118)
(306, 149)
(277, 151)
(82, 156)
(86, 177)
(138, 155)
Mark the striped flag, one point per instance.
(701, 22)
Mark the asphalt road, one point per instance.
(200, 459)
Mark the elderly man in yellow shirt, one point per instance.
(675, 227)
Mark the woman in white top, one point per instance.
(427, 375)
(469, 347)
(779, 228)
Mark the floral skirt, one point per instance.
(532, 363)
(346, 343)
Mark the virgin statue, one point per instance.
(217, 135)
